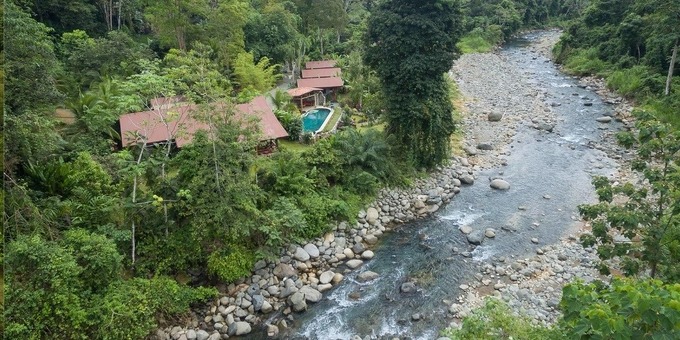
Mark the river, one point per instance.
(550, 175)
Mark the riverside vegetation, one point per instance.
(111, 244)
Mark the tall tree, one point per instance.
(410, 46)
(174, 20)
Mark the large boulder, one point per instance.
(312, 250)
(352, 264)
(476, 237)
(367, 276)
(311, 294)
(301, 254)
(494, 116)
(297, 301)
(202, 335)
(283, 270)
(239, 328)
(499, 184)
(408, 287)
(326, 277)
(372, 215)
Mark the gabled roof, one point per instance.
(324, 83)
(270, 127)
(161, 125)
(320, 64)
(321, 72)
(301, 91)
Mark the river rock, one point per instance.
(418, 204)
(258, 301)
(312, 250)
(499, 184)
(371, 239)
(288, 289)
(367, 255)
(534, 240)
(604, 119)
(476, 237)
(301, 254)
(367, 276)
(311, 294)
(349, 253)
(239, 328)
(465, 229)
(494, 116)
(191, 334)
(358, 248)
(326, 277)
(272, 331)
(283, 270)
(202, 335)
(372, 215)
(467, 179)
(408, 287)
(266, 307)
(490, 233)
(352, 264)
(337, 278)
(545, 126)
(484, 146)
(297, 301)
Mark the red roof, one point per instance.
(324, 83)
(321, 73)
(320, 64)
(301, 91)
(270, 127)
(160, 125)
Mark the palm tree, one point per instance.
(283, 101)
(368, 151)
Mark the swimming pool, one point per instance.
(314, 119)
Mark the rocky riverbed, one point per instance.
(304, 272)
(531, 285)
(502, 102)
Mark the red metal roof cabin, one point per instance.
(330, 84)
(320, 64)
(321, 73)
(305, 97)
(155, 128)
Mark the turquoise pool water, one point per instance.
(313, 120)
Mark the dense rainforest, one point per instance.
(105, 242)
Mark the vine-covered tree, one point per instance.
(410, 46)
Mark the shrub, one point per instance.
(586, 61)
(494, 321)
(130, 308)
(232, 266)
(632, 82)
(627, 309)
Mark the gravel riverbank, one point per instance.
(494, 87)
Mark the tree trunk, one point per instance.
(320, 41)
(120, 12)
(181, 39)
(134, 200)
(671, 68)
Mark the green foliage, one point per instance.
(292, 122)
(649, 217)
(237, 263)
(480, 40)
(196, 75)
(272, 32)
(625, 309)
(129, 309)
(494, 321)
(260, 76)
(96, 255)
(586, 62)
(410, 46)
(42, 280)
(633, 82)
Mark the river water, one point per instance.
(550, 175)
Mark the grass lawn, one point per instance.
(380, 127)
(337, 113)
(293, 146)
